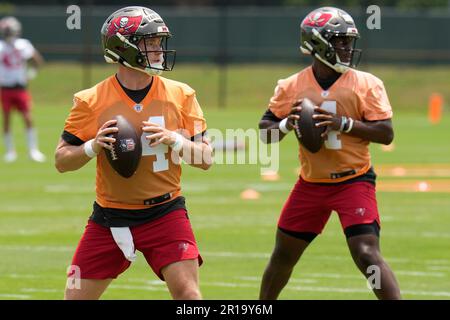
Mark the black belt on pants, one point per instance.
(113, 217)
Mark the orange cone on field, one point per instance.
(250, 194)
(435, 108)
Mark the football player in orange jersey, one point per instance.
(145, 212)
(354, 107)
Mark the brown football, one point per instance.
(127, 150)
(307, 133)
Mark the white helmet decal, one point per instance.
(123, 22)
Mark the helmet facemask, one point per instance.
(166, 59)
(346, 56)
(333, 56)
(129, 47)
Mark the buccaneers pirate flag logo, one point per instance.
(124, 25)
(317, 19)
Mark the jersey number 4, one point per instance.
(161, 163)
(332, 142)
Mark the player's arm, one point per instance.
(70, 157)
(36, 60)
(195, 153)
(34, 63)
(273, 129)
(380, 131)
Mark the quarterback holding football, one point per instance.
(336, 175)
(131, 123)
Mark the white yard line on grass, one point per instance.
(291, 280)
(332, 276)
(16, 208)
(145, 288)
(291, 288)
(355, 290)
(420, 273)
(439, 268)
(436, 235)
(224, 254)
(202, 283)
(228, 284)
(148, 282)
(427, 293)
(14, 296)
(227, 254)
(223, 186)
(156, 285)
(41, 290)
(64, 188)
(23, 276)
(38, 248)
(260, 255)
(438, 262)
(334, 289)
(23, 232)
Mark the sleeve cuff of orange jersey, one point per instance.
(197, 130)
(199, 136)
(71, 138)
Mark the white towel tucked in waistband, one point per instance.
(124, 239)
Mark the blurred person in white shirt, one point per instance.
(19, 61)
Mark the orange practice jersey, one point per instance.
(168, 103)
(355, 94)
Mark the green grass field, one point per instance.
(43, 213)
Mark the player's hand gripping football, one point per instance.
(294, 114)
(158, 134)
(328, 119)
(101, 139)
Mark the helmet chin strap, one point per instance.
(155, 69)
(146, 70)
(158, 65)
(338, 66)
